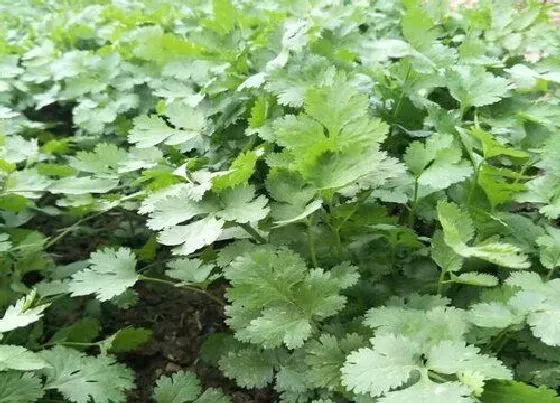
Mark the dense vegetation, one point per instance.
(367, 192)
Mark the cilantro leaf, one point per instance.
(18, 358)
(387, 365)
(182, 386)
(16, 387)
(21, 313)
(111, 272)
(473, 86)
(192, 236)
(80, 378)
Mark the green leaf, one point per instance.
(127, 339)
(428, 327)
(458, 230)
(105, 159)
(192, 236)
(20, 359)
(213, 396)
(457, 225)
(224, 17)
(181, 387)
(493, 148)
(149, 131)
(499, 184)
(326, 356)
(516, 392)
(175, 209)
(451, 357)
(80, 377)
(18, 387)
(275, 299)
(83, 331)
(473, 86)
(240, 205)
(83, 185)
(417, 28)
(426, 391)
(189, 271)
(387, 365)
(476, 279)
(241, 169)
(444, 256)
(250, 367)
(549, 248)
(111, 272)
(21, 313)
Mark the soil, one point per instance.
(180, 321)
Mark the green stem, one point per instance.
(412, 213)
(71, 228)
(401, 97)
(473, 184)
(185, 286)
(437, 377)
(441, 281)
(311, 241)
(71, 343)
(253, 232)
(521, 173)
(499, 341)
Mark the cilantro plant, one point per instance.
(368, 192)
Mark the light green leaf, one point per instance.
(451, 357)
(492, 314)
(189, 271)
(18, 387)
(426, 391)
(473, 86)
(149, 131)
(21, 313)
(387, 365)
(111, 272)
(444, 256)
(549, 249)
(127, 339)
(240, 205)
(477, 279)
(241, 169)
(192, 236)
(81, 378)
(516, 392)
(83, 185)
(325, 357)
(250, 367)
(181, 387)
(457, 225)
(175, 209)
(20, 359)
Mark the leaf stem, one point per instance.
(185, 286)
(437, 377)
(414, 206)
(498, 341)
(441, 281)
(311, 241)
(71, 343)
(401, 97)
(253, 232)
(71, 228)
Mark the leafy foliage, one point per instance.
(368, 192)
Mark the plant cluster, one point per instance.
(375, 183)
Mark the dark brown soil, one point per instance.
(180, 321)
